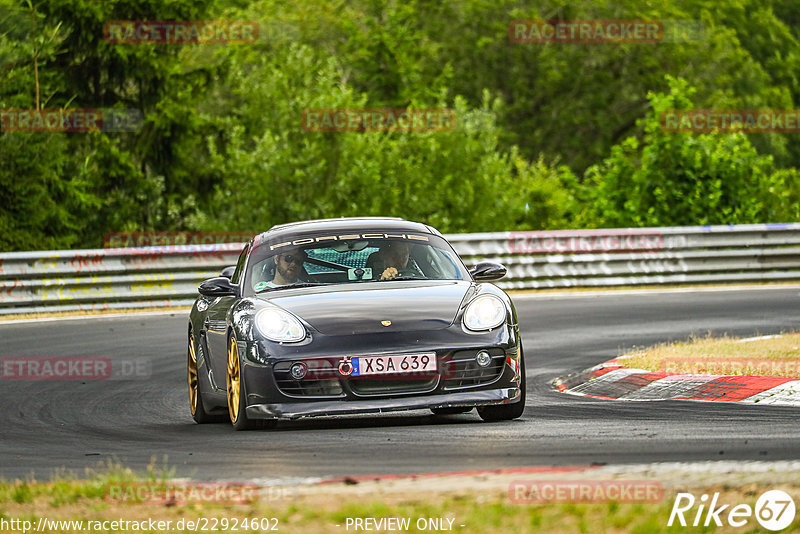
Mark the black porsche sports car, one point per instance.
(352, 315)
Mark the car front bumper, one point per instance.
(269, 395)
(297, 410)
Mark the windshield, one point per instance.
(275, 266)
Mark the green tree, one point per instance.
(571, 102)
(674, 179)
(276, 172)
(148, 179)
(43, 187)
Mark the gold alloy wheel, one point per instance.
(192, 366)
(233, 381)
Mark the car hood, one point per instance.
(360, 308)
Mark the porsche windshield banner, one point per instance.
(345, 237)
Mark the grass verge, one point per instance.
(484, 502)
(759, 356)
(475, 506)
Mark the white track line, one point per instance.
(548, 294)
(514, 294)
(131, 315)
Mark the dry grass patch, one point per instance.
(762, 356)
(466, 504)
(478, 510)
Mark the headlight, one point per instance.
(484, 313)
(279, 325)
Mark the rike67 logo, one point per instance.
(774, 510)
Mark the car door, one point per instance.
(216, 328)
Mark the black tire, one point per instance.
(237, 395)
(452, 411)
(196, 405)
(507, 412)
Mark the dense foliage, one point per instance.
(553, 135)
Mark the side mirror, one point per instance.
(227, 272)
(487, 271)
(217, 287)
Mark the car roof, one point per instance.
(344, 224)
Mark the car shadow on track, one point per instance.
(367, 421)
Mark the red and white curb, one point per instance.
(611, 380)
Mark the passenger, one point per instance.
(393, 260)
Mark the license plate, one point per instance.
(394, 364)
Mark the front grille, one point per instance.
(324, 380)
(394, 385)
(461, 370)
(309, 388)
(319, 382)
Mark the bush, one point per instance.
(674, 179)
(272, 171)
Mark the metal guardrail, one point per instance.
(32, 282)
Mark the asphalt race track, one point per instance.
(47, 425)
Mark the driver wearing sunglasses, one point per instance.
(288, 267)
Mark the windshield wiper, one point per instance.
(292, 286)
